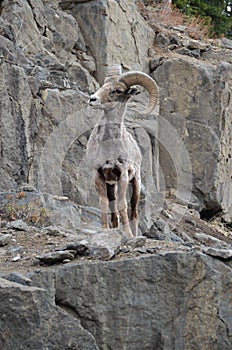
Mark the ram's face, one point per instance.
(109, 94)
(118, 88)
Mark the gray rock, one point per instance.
(172, 293)
(18, 277)
(192, 53)
(162, 40)
(36, 325)
(141, 250)
(87, 61)
(56, 257)
(81, 247)
(63, 214)
(180, 28)
(73, 1)
(160, 230)
(128, 46)
(183, 235)
(195, 116)
(155, 63)
(219, 253)
(196, 53)
(54, 231)
(174, 39)
(226, 43)
(27, 188)
(16, 258)
(5, 239)
(217, 56)
(15, 251)
(106, 244)
(136, 242)
(18, 225)
(195, 44)
(201, 237)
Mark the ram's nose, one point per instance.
(93, 100)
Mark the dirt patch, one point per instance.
(23, 248)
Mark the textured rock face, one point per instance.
(176, 301)
(51, 54)
(119, 34)
(37, 324)
(15, 110)
(42, 40)
(45, 120)
(195, 99)
(173, 301)
(50, 50)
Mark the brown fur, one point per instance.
(116, 157)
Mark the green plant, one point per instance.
(214, 11)
(196, 27)
(13, 207)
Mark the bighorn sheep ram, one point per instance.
(113, 152)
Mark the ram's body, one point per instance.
(113, 152)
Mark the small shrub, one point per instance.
(12, 208)
(168, 15)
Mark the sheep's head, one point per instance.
(120, 87)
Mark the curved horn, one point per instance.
(143, 79)
(115, 69)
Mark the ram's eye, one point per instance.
(116, 91)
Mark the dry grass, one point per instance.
(169, 16)
(12, 208)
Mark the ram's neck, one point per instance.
(111, 125)
(115, 114)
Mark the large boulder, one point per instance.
(115, 33)
(41, 79)
(195, 102)
(174, 300)
(16, 99)
(48, 57)
(45, 119)
(31, 320)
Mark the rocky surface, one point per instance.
(199, 107)
(170, 289)
(65, 283)
(173, 314)
(40, 326)
(48, 59)
(151, 293)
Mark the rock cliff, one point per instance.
(51, 51)
(170, 301)
(168, 289)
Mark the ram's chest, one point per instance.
(106, 143)
(108, 132)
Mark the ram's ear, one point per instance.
(133, 91)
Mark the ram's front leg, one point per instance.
(136, 184)
(122, 204)
(103, 199)
(112, 197)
